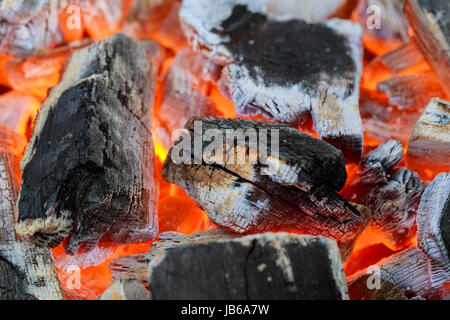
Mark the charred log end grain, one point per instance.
(429, 143)
(292, 190)
(283, 69)
(88, 170)
(126, 290)
(265, 266)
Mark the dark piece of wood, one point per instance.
(423, 271)
(392, 194)
(88, 170)
(430, 21)
(26, 271)
(265, 266)
(291, 190)
(284, 69)
(429, 143)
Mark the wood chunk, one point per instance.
(290, 190)
(26, 271)
(88, 170)
(393, 195)
(424, 271)
(383, 121)
(184, 95)
(264, 266)
(433, 223)
(431, 24)
(18, 111)
(429, 143)
(135, 267)
(317, 67)
(126, 290)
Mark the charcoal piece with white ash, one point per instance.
(259, 176)
(429, 143)
(88, 169)
(27, 271)
(264, 266)
(392, 194)
(284, 69)
(422, 271)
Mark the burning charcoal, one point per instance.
(11, 141)
(288, 187)
(126, 290)
(346, 247)
(88, 170)
(422, 271)
(429, 143)
(18, 111)
(184, 95)
(284, 69)
(407, 57)
(26, 271)
(135, 267)
(25, 27)
(392, 30)
(35, 74)
(412, 91)
(430, 21)
(264, 266)
(383, 121)
(156, 52)
(392, 194)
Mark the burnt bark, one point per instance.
(88, 170)
(290, 190)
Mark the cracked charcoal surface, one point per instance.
(286, 52)
(89, 164)
(256, 267)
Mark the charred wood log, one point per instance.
(264, 266)
(393, 195)
(26, 270)
(423, 271)
(430, 21)
(284, 69)
(88, 170)
(386, 290)
(429, 143)
(287, 185)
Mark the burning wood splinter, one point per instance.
(27, 271)
(392, 194)
(284, 69)
(88, 170)
(263, 266)
(429, 143)
(430, 21)
(422, 271)
(258, 176)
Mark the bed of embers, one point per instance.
(92, 206)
